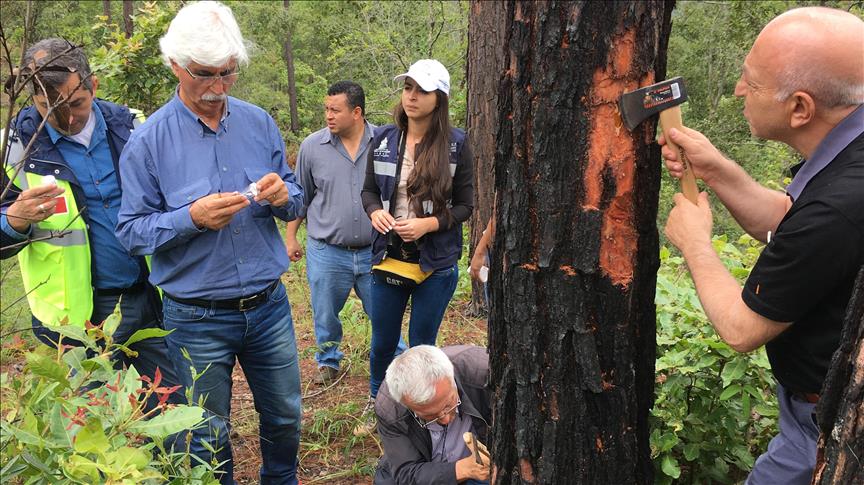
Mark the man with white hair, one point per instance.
(430, 399)
(202, 181)
(803, 85)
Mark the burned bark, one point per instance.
(485, 57)
(572, 324)
(840, 413)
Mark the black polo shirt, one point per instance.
(806, 273)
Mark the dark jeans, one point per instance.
(428, 302)
(141, 309)
(263, 340)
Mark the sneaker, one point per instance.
(325, 376)
(367, 423)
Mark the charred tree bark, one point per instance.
(486, 58)
(572, 330)
(106, 9)
(840, 414)
(128, 10)
(288, 55)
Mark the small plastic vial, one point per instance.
(484, 274)
(252, 192)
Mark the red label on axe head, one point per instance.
(61, 207)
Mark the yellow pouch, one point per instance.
(399, 273)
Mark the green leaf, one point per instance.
(82, 468)
(691, 451)
(126, 457)
(91, 438)
(109, 326)
(146, 333)
(23, 436)
(75, 358)
(45, 366)
(730, 391)
(71, 331)
(169, 422)
(670, 466)
(733, 371)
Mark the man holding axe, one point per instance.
(434, 413)
(803, 85)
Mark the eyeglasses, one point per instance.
(424, 424)
(228, 77)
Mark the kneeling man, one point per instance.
(432, 400)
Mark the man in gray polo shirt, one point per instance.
(331, 167)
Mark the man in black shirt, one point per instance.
(803, 85)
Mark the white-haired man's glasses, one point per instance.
(447, 412)
(228, 77)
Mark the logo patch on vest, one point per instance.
(382, 150)
(61, 207)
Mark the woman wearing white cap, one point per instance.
(418, 192)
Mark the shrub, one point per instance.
(71, 417)
(715, 409)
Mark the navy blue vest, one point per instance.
(439, 249)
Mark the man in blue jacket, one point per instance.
(60, 212)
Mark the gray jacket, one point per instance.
(408, 447)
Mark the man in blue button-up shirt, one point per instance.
(80, 151)
(217, 252)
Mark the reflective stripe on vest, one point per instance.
(56, 270)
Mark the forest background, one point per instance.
(715, 409)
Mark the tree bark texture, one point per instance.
(840, 413)
(572, 329)
(128, 11)
(486, 58)
(288, 55)
(106, 9)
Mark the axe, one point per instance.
(665, 98)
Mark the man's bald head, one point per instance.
(817, 50)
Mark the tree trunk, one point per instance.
(485, 57)
(840, 413)
(106, 9)
(288, 54)
(128, 10)
(572, 330)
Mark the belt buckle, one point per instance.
(247, 303)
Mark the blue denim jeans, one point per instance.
(332, 271)
(263, 340)
(428, 302)
(791, 455)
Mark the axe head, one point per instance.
(638, 105)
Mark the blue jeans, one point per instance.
(263, 340)
(791, 455)
(332, 271)
(428, 302)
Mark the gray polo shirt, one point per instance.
(332, 182)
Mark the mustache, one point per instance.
(214, 97)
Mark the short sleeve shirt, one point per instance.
(806, 272)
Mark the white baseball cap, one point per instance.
(429, 74)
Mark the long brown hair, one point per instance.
(430, 179)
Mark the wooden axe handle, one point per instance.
(671, 118)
